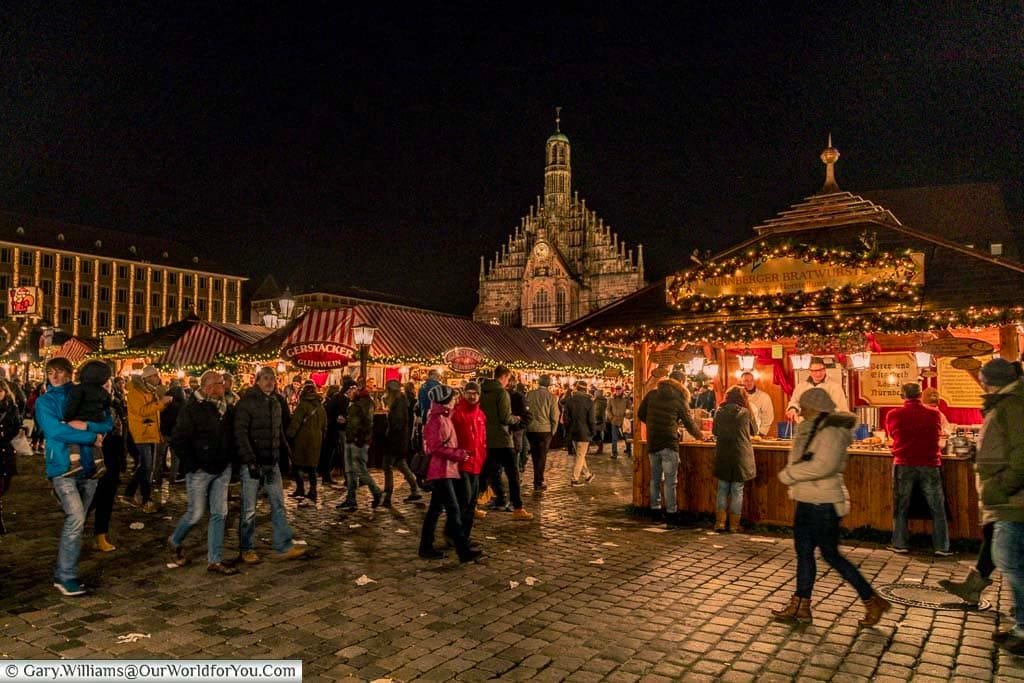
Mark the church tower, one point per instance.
(561, 261)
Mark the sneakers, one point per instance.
(221, 568)
(305, 502)
(944, 553)
(292, 553)
(249, 557)
(70, 588)
(894, 549)
(297, 494)
(412, 498)
(575, 482)
(522, 514)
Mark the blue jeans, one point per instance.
(817, 526)
(1008, 552)
(143, 474)
(357, 459)
(282, 533)
(930, 479)
(730, 489)
(75, 495)
(204, 488)
(664, 462)
(616, 435)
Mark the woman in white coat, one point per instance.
(815, 479)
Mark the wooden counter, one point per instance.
(868, 477)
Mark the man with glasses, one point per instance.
(74, 488)
(817, 376)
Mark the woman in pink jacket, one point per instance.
(442, 445)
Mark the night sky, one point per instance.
(390, 150)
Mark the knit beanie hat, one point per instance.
(472, 386)
(441, 394)
(817, 399)
(999, 372)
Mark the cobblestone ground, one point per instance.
(582, 593)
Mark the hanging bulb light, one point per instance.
(747, 360)
(800, 361)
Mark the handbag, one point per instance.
(21, 445)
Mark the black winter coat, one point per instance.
(202, 438)
(579, 417)
(399, 427)
(260, 422)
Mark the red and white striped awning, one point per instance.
(205, 340)
(75, 350)
(327, 325)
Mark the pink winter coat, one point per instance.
(442, 444)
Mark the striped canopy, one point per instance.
(204, 340)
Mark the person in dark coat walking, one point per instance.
(204, 440)
(10, 424)
(734, 456)
(329, 451)
(306, 434)
(399, 436)
(580, 428)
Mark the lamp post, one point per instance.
(270, 318)
(286, 304)
(362, 335)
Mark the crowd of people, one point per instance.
(466, 446)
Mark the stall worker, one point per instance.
(760, 404)
(817, 376)
(915, 431)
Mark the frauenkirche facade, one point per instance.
(562, 261)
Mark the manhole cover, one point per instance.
(923, 595)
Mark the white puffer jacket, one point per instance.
(820, 479)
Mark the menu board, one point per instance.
(959, 388)
(880, 384)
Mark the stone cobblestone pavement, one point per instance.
(598, 596)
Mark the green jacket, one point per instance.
(497, 406)
(1000, 461)
(359, 421)
(306, 430)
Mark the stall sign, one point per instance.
(669, 356)
(112, 342)
(318, 355)
(25, 301)
(463, 359)
(789, 275)
(959, 388)
(880, 384)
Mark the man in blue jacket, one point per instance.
(73, 486)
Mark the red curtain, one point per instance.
(780, 375)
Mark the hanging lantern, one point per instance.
(694, 366)
(800, 361)
(747, 360)
(860, 360)
(924, 360)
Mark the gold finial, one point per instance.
(829, 157)
(558, 119)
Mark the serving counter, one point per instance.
(868, 477)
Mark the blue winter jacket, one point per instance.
(59, 436)
(424, 400)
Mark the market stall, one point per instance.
(836, 277)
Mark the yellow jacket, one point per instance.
(143, 411)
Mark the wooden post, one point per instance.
(1009, 343)
(641, 466)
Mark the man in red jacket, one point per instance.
(915, 430)
(471, 431)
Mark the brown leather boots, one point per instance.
(798, 610)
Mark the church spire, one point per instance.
(558, 119)
(557, 173)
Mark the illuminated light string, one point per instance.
(777, 303)
(902, 269)
(729, 332)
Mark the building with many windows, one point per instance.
(93, 280)
(561, 262)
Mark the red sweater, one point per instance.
(471, 429)
(914, 429)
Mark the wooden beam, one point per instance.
(1009, 343)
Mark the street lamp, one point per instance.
(286, 304)
(362, 335)
(270, 318)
